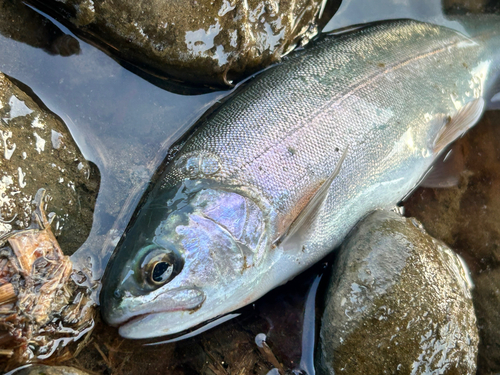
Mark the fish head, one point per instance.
(183, 261)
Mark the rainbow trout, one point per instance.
(275, 178)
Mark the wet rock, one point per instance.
(21, 23)
(37, 151)
(454, 7)
(49, 370)
(466, 217)
(398, 302)
(210, 42)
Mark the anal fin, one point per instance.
(446, 170)
(463, 120)
(494, 102)
(313, 205)
(493, 92)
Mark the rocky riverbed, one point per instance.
(95, 97)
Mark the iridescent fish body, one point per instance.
(275, 178)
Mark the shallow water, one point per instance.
(125, 124)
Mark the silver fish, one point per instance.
(275, 179)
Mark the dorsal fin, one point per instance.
(314, 203)
(463, 120)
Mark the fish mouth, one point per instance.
(159, 324)
(132, 309)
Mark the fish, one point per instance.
(275, 178)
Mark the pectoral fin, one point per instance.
(314, 204)
(463, 120)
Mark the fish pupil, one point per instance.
(161, 271)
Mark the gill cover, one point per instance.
(182, 247)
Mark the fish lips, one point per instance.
(159, 324)
(130, 309)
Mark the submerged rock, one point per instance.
(398, 302)
(452, 7)
(37, 151)
(209, 42)
(486, 297)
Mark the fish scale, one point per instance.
(253, 140)
(339, 129)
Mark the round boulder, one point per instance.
(202, 42)
(399, 301)
(37, 151)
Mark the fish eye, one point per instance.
(161, 272)
(159, 266)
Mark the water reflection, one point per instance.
(23, 24)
